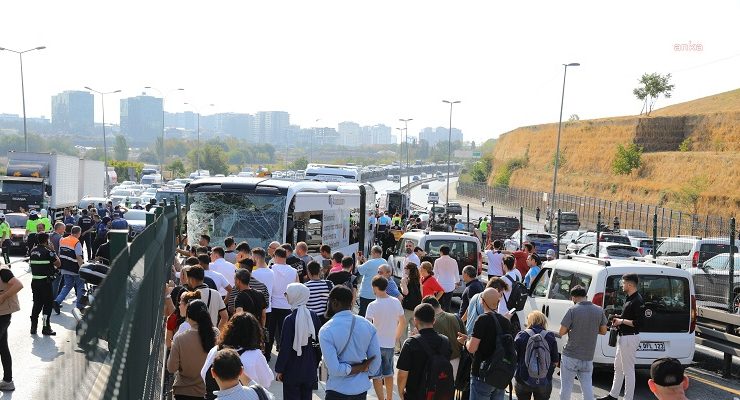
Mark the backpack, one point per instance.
(438, 382)
(212, 385)
(518, 296)
(350, 282)
(498, 369)
(537, 358)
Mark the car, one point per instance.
(542, 242)
(644, 245)
(432, 197)
(690, 251)
(635, 233)
(425, 186)
(668, 293)
(465, 249)
(568, 221)
(503, 227)
(610, 250)
(116, 200)
(711, 281)
(85, 201)
(590, 237)
(17, 222)
(124, 192)
(566, 238)
(415, 178)
(136, 221)
(454, 209)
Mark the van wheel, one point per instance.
(736, 303)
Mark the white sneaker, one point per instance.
(7, 386)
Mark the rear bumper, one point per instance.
(642, 363)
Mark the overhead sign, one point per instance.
(467, 154)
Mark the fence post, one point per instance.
(670, 224)
(468, 225)
(557, 252)
(680, 217)
(634, 211)
(655, 234)
(731, 295)
(598, 233)
(521, 228)
(662, 220)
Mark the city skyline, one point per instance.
(346, 65)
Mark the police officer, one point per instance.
(44, 262)
(88, 226)
(5, 238)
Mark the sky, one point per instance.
(371, 62)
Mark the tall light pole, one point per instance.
(557, 148)
(197, 149)
(406, 129)
(161, 162)
(105, 143)
(23, 88)
(449, 150)
(400, 157)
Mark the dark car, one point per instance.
(454, 208)
(503, 227)
(614, 238)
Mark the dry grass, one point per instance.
(718, 103)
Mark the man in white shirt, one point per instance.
(495, 258)
(511, 275)
(284, 275)
(386, 314)
(222, 284)
(410, 256)
(220, 265)
(447, 274)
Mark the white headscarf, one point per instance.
(297, 295)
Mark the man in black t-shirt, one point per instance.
(345, 276)
(483, 342)
(295, 262)
(248, 299)
(413, 360)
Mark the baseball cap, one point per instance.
(33, 212)
(2, 215)
(666, 371)
(551, 253)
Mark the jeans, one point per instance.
(332, 395)
(445, 301)
(5, 357)
(480, 390)
(69, 281)
(275, 328)
(88, 241)
(298, 391)
(526, 392)
(570, 368)
(624, 366)
(363, 306)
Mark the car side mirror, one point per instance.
(47, 189)
(573, 241)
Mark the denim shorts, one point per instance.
(386, 363)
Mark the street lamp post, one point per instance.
(400, 157)
(105, 143)
(197, 150)
(161, 163)
(449, 150)
(557, 148)
(23, 88)
(406, 129)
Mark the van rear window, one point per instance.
(667, 302)
(674, 249)
(709, 250)
(615, 239)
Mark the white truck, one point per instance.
(49, 181)
(91, 179)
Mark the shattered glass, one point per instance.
(256, 219)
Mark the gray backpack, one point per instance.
(537, 358)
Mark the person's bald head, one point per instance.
(490, 298)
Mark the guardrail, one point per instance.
(718, 330)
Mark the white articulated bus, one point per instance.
(332, 173)
(259, 210)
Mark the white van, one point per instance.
(668, 292)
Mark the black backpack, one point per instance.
(211, 384)
(518, 296)
(498, 369)
(438, 382)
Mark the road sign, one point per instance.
(467, 154)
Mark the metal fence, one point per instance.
(121, 334)
(630, 215)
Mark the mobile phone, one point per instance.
(512, 311)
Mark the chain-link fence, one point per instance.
(121, 334)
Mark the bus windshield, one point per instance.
(255, 218)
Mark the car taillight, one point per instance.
(598, 299)
(692, 326)
(480, 263)
(695, 260)
(641, 250)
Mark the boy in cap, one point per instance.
(667, 380)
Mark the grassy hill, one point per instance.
(706, 129)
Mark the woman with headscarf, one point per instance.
(297, 362)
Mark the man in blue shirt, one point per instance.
(350, 348)
(384, 270)
(384, 222)
(368, 269)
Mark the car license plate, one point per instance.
(651, 346)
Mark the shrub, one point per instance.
(627, 159)
(685, 145)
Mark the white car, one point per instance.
(433, 197)
(609, 250)
(670, 314)
(711, 280)
(690, 252)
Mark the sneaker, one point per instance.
(7, 386)
(57, 307)
(607, 397)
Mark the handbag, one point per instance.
(613, 333)
(323, 370)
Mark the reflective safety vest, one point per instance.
(67, 254)
(42, 262)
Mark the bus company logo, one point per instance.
(688, 46)
(333, 201)
(648, 313)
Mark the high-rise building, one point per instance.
(350, 134)
(440, 134)
(235, 124)
(141, 118)
(326, 136)
(73, 112)
(377, 134)
(270, 126)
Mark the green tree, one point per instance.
(94, 154)
(177, 167)
(212, 158)
(122, 169)
(561, 161)
(148, 157)
(300, 163)
(651, 87)
(120, 148)
(481, 169)
(627, 159)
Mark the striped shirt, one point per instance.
(319, 295)
(253, 284)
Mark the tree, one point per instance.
(300, 163)
(481, 169)
(212, 158)
(691, 193)
(651, 87)
(149, 157)
(120, 148)
(177, 167)
(627, 159)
